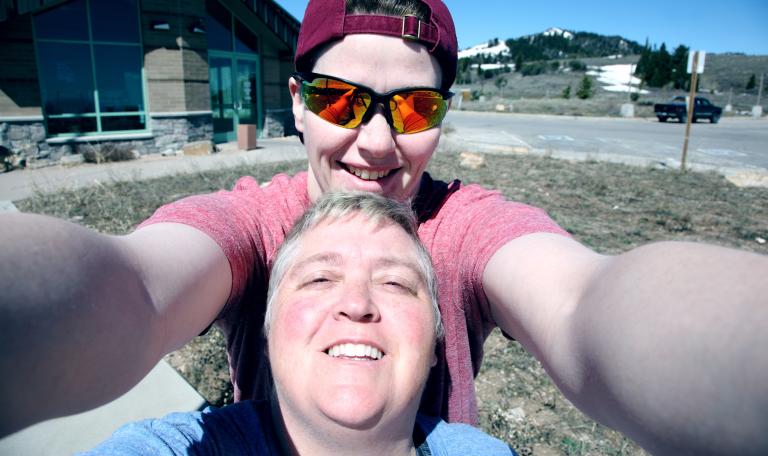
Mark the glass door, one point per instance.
(222, 99)
(247, 109)
(234, 87)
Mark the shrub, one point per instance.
(106, 152)
(577, 65)
(533, 69)
(567, 92)
(585, 88)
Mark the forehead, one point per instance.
(356, 238)
(381, 62)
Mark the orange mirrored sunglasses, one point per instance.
(349, 104)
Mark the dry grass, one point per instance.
(607, 206)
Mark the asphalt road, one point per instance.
(734, 143)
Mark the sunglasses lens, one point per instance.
(417, 110)
(337, 102)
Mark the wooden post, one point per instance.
(691, 106)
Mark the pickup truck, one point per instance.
(677, 108)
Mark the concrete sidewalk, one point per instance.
(20, 184)
(161, 392)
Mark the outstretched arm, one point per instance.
(84, 316)
(665, 343)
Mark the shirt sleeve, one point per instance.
(248, 222)
(471, 226)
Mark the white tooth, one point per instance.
(376, 353)
(365, 175)
(359, 351)
(369, 351)
(375, 175)
(348, 350)
(335, 351)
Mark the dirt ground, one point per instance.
(609, 207)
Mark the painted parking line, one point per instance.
(516, 139)
(722, 152)
(565, 138)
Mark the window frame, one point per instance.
(141, 115)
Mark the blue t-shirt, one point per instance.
(245, 428)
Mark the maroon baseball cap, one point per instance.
(327, 20)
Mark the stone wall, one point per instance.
(279, 123)
(26, 139)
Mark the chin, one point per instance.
(353, 411)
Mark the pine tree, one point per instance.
(585, 88)
(662, 67)
(643, 65)
(567, 92)
(752, 83)
(679, 67)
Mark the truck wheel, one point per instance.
(662, 119)
(714, 119)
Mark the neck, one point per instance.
(298, 438)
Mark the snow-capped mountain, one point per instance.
(554, 31)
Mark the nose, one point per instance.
(376, 138)
(356, 304)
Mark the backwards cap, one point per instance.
(327, 20)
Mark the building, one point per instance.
(151, 74)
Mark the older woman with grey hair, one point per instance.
(352, 324)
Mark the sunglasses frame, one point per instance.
(376, 98)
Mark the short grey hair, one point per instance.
(335, 206)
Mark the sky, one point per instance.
(706, 25)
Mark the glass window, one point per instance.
(64, 22)
(57, 126)
(91, 66)
(245, 40)
(218, 26)
(115, 20)
(118, 77)
(66, 77)
(122, 123)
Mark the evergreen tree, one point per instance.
(585, 88)
(661, 67)
(679, 72)
(643, 65)
(519, 62)
(567, 92)
(501, 82)
(752, 83)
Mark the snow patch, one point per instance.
(554, 31)
(484, 49)
(617, 78)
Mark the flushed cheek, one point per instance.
(295, 321)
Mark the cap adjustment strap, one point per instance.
(411, 28)
(406, 27)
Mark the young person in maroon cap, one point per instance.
(663, 342)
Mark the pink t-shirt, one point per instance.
(462, 226)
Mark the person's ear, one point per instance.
(297, 105)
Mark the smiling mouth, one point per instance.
(367, 174)
(355, 352)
